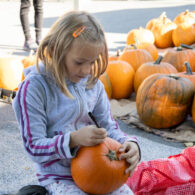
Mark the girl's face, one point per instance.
(80, 58)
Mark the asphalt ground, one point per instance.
(117, 18)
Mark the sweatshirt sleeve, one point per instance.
(30, 110)
(104, 117)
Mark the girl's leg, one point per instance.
(38, 7)
(24, 11)
(59, 188)
(123, 190)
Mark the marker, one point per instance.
(93, 119)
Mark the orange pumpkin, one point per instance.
(178, 56)
(184, 33)
(97, 169)
(140, 35)
(121, 76)
(188, 73)
(11, 69)
(151, 48)
(150, 68)
(114, 57)
(163, 101)
(193, 110)
(153, 21)
(136, 57)
(107, 84)
(186, 17)
(28, 61)
(162, 31)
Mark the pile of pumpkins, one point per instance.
(164, 84)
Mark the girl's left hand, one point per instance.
(131, 154)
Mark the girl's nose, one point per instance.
(86, 69)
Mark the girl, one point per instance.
(53, 102)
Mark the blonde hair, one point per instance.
(54, 47)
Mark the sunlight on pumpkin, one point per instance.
(11, 69)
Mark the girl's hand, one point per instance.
(87, 136)
(131, 154)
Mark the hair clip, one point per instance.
(78, 31)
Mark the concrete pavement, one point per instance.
(117, 18)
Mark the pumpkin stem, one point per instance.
(174, 76)
(162, 15)
(118, 52)
(112, 155)
(186, 46)
(159, 59)
(179, 48)
(133, 45)
(188, 68)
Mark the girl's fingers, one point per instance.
(132, 167)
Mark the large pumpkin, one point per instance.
(107, 84)
(178, 56)
(136, 57)
(121, 75)
(163, 101)
(150, 68)
(11, 69)
(97, 169)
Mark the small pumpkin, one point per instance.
(114, 57)
(162, 31)
(150, 68)
(188, 73)
(186, 17)
(107, 84)
(121, 75)
(153, 21)
(151, 48)
(179, 55)
(136, 57)
(184, 33)
(97, 169)
(11, 69)
(163, 101)
(141, 35)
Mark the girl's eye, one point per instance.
(79, 63)
(92, 62)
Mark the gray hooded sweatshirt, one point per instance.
(46, 118)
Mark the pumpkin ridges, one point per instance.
(150, 68)
(174, 109)
(122, 84)
(136, 57)
(178, 58)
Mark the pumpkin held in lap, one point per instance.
(97, 169)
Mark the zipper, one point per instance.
(80, 105)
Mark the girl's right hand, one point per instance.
(87, 136)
